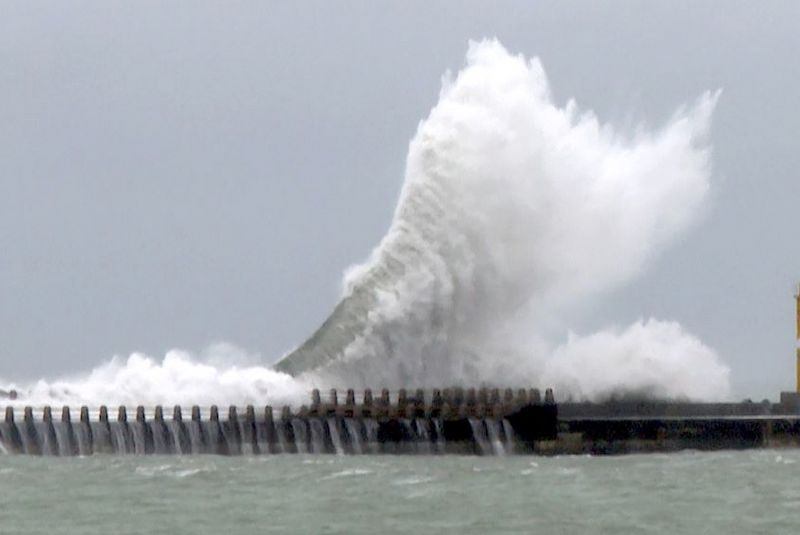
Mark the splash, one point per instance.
(221, 375)
(513, 212)
(654, 358)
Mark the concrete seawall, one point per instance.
(448, 421)
(636, 426)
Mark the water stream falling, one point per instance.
(333, 430)
(354, 432)
(493, 429)
(300, 431)
(317, 435)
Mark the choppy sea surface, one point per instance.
(724, 492)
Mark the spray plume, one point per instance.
(514, 212)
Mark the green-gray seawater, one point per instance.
(744, 492)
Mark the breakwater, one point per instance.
(448, 421)
(640, 426)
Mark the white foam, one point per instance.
(219, 376)
(514, 213)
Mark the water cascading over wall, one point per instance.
(451, 421)
(513, 212)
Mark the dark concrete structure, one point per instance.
(441, 421)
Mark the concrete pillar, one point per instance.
(216, 439)
(385, 400)
(419, 403)
(50, 443)
(522, 397)
(508, 396)
(122, 421)
(183, 443)
(286, 413)
(316, 400)
(494, 396)
(199, 431)
(349, 404)
(72, 440)
(534, 396)
(368, 397)
(402, 397)
(270, 433)
(148, 445)
(458, 396)
(160, 429)
(333, 403)
(434, 409)
(483, 396)
(232, 434)
(249, 433)
(88, 433)
(549, 397)
(31, 439)
(101, 432)
(14, 440)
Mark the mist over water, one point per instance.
(515, 214)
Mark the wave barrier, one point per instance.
(448, 421)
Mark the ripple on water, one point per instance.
(414, 480)
(171, 471)
(353, 472)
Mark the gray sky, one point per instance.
(176, 175)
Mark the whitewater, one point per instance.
(515, 214)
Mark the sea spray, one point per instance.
(217, 376)
(515, 211)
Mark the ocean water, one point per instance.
(723, 492)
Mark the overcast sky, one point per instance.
(173, 175)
